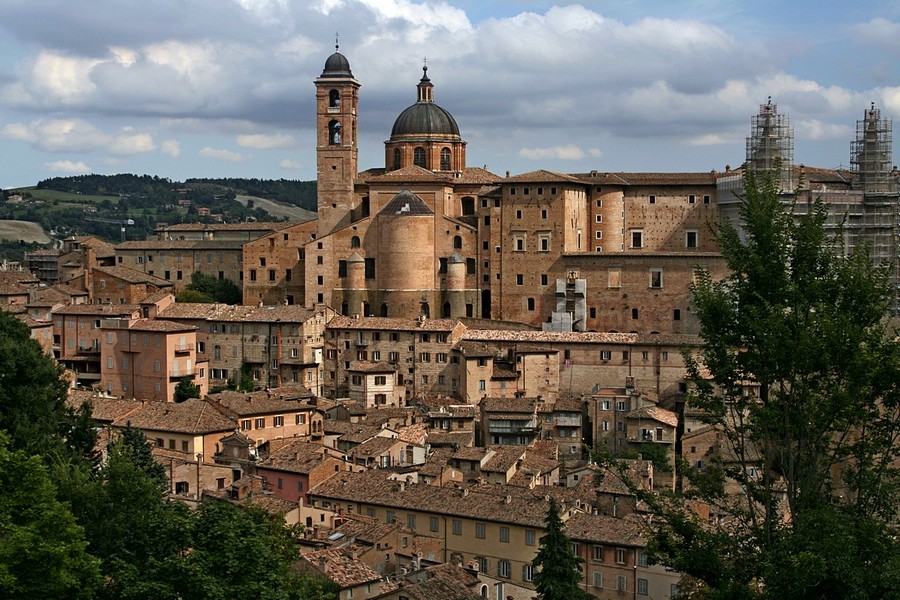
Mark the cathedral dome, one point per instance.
(337, 65)
(425, 118)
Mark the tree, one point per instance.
(557, 570)
(43, 552)
(800, 376)
(206, 288)
(32, 394)
(185, 389)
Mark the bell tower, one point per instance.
(337, 98)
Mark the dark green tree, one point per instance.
(32, 394)
(206, 288)
(43, 552)
(557, 573)
(185, 389)
(812, 448)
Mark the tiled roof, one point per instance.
(207, 311)
(578, 337)
(133, 276)
(475, 350)
(193, 416)
(488, 502)
(373, 447)
(477, 175)
(391, 324)
(504, 458)
(446, 581)
(410, 173)
(103, 408)
(250, 226)
(686, 178)
(181, 245)
(100, 310)
(369, 532)
(275, 400)
(510, 405)
(448, 438)
(600, 529)
(296, 457)
(13, 289)
(342, 568)
(160, 325)
(22, 277)
(655, 413)
(286, 313)
(541, 176)
(406, 204)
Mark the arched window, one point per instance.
(334, 133)
(354, 241)
(426, 310)
(334, 99)
(419, 157)
(445, 159)
(396, 158)
(384, 311)
(457, 242)
(217, 352)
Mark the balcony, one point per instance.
(185, 349)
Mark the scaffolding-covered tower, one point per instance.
(871, 157)
(871, 152)
(771, 144)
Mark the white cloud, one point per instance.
(170, 147)
(67, 166)
(566, 152)
(265, 141)
(132, 144)
(290, 164)
(220, 154)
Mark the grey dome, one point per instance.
(425, 118)
(337, 65)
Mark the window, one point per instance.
(705, 199)
(652, 199)
(642, 558)
(531, 304)
(614, 278)
(411, 521)
(419, 157)
(279, 422)
(445, 159)
(301, 419)
(479, 530)
(676, 314)
(503, 569)
(690, 238)
(530, 537)
(433, 524)
(598, 553)
(605, 355)
(527, 572)
(621, 583)
(598, 235)
(456, 527)
(260, 423)
(637, 238)
(620, 556)
(656, 278)
(504, 534)
(245, 424)
(598, 579)
(520, 279)
(391, 517)
(692, 199)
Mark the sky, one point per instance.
(224, 88)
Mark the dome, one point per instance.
(337, 65)
(425, 118)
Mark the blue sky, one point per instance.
(224, 88)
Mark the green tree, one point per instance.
(557, 570)
(32, 394)
(216, 290)
(812, 449)
(185, 389)
(43, 552)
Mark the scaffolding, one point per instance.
(871, 153)
(771, 144)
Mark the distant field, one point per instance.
(69, 197)
(23, 230)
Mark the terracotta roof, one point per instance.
(275, 400)
(438, 437)
(503, 459)
(541, 176)
(13, 289)
(193, 416)
(133, 276)
(160, 325)
(296, 457)
(369, 532)
(288, 313)
(342, 568)
(181, 245)
(100, 310)
(367, 366)
(103, 408)
(391, 324)
(446, 581)
(406, 204)
(373, 447)
(600, 529)
(579, 337)
(206, 311)
(627, 179)
(21, 277)
(477, 175)
(410, 173)
(655, 413)
(249, 226)
(488, 502)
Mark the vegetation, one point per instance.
(557, 571)
(73, 528)
(206, 288)
(799, 374)
(185, 389)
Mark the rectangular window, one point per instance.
(656, 278)
(605, 355)
(411, 521)
(598, 553)
(527, 572)
(520, 279)
(479, 530)
(598, 579)
(652, 199)
(260, 423)
(433, 524)
(391, 517)
(301, 419)
(621, 583)
(637, 239)
(245, 424)
(504, 534)
(279, 422)
(690, 239)
(457, 527)
(614, 278)
(692, 199)
(503, 569)
(530, 537)
(620, 556)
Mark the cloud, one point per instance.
(220, 154)
(566, 152)
(67, 167)
(78, 135)
(265, 141)
(170, 147)
(290, 164)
